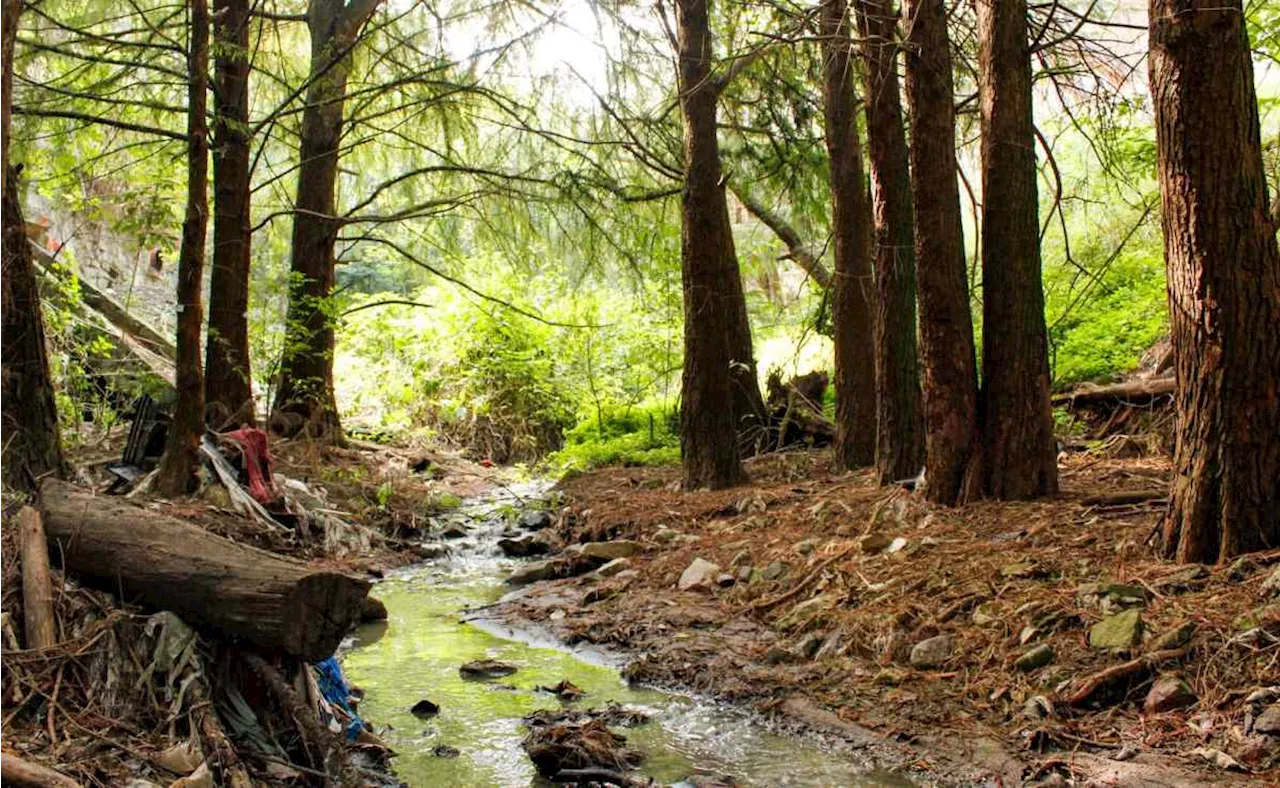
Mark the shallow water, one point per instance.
(415, 654)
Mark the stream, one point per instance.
(416, 652)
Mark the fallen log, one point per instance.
(1133, 392)
(39, 627)
(25, 774)
(276, 604)
(1125, 498)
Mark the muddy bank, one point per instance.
(1013, 642)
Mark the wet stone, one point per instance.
(486, 669)
(445, 751)
(535, 521)
(454, 531)
(523, 546)
(424, 709)
(532, 573)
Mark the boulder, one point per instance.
(932, 652)
(535, 521)
(699, 574)
(1120, 631)
(533, 572)
(523, 546)
(486, 669)
(608, 551)
(613, 567)
(1168, 693)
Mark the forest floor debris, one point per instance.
(965, 631)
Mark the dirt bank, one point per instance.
(909, 629)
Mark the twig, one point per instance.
(767, 604)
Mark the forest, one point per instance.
(688, 392)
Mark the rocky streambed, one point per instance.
(451, 726)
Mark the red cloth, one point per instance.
(257, 462)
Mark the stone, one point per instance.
(741, 559)
(932, 652)
(873, 543)
(806, 546)
(1269, 720)
(523, 546)
(1271, 586)
(424, 709)
(1168, 693)
(533, 572)
(445, 751)
(1035, 658)
(535, 521)
(745, 572)
(1037, 707)
(898, 545)
(665, 534)
(804, 610)
(699, 574)
(1184, 579)
(454, 531)
(429, 551)
(1120, 631)
(1177, 637)
(613, 567)
(775, 570)
(608, 551)
(486, 669)
(725, 580)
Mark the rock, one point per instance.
(699, 574)
(725, 580)
(424, 709)
(523, 546)
(532, 573)
(1126, 753)
(741, 559)
(445, 751)
(1021, 570)
(608, 551)
(801, 612)
(454, 531)
(932, 652)
(898, 545)
(665, 534)
(1037, 657)
(776, 570)
(1269, 720)
(1188, 577)
(1037, 707)
(614, 567)
(1271, 586)
(1168, 693)
(873, 543)
(1120, 631)
(809, 645)
(486, 669)
(535, 521)
(1177, 637)
(806, 546)
(429, 551)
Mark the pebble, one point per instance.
(932, 652)
(1034, 658)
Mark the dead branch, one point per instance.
(39, 627)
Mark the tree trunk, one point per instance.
(1018, 456)
(32, 445)
(228, 387)
(305, 401)
(242, 592)
(749, 415)
(946, 326)
(1224, 284)
(181, 452)
(851, 305)
(708, 435)
(899, 420)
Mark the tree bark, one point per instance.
(181, 453)
(851, 305)
(228, 382)
(946, 325)
(305, 400)
(32, 445)
(1018, 456)
(749, 414)
(1223, 281)
(899, 420)
(39, 626)
(241, 592)
(708, 434)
